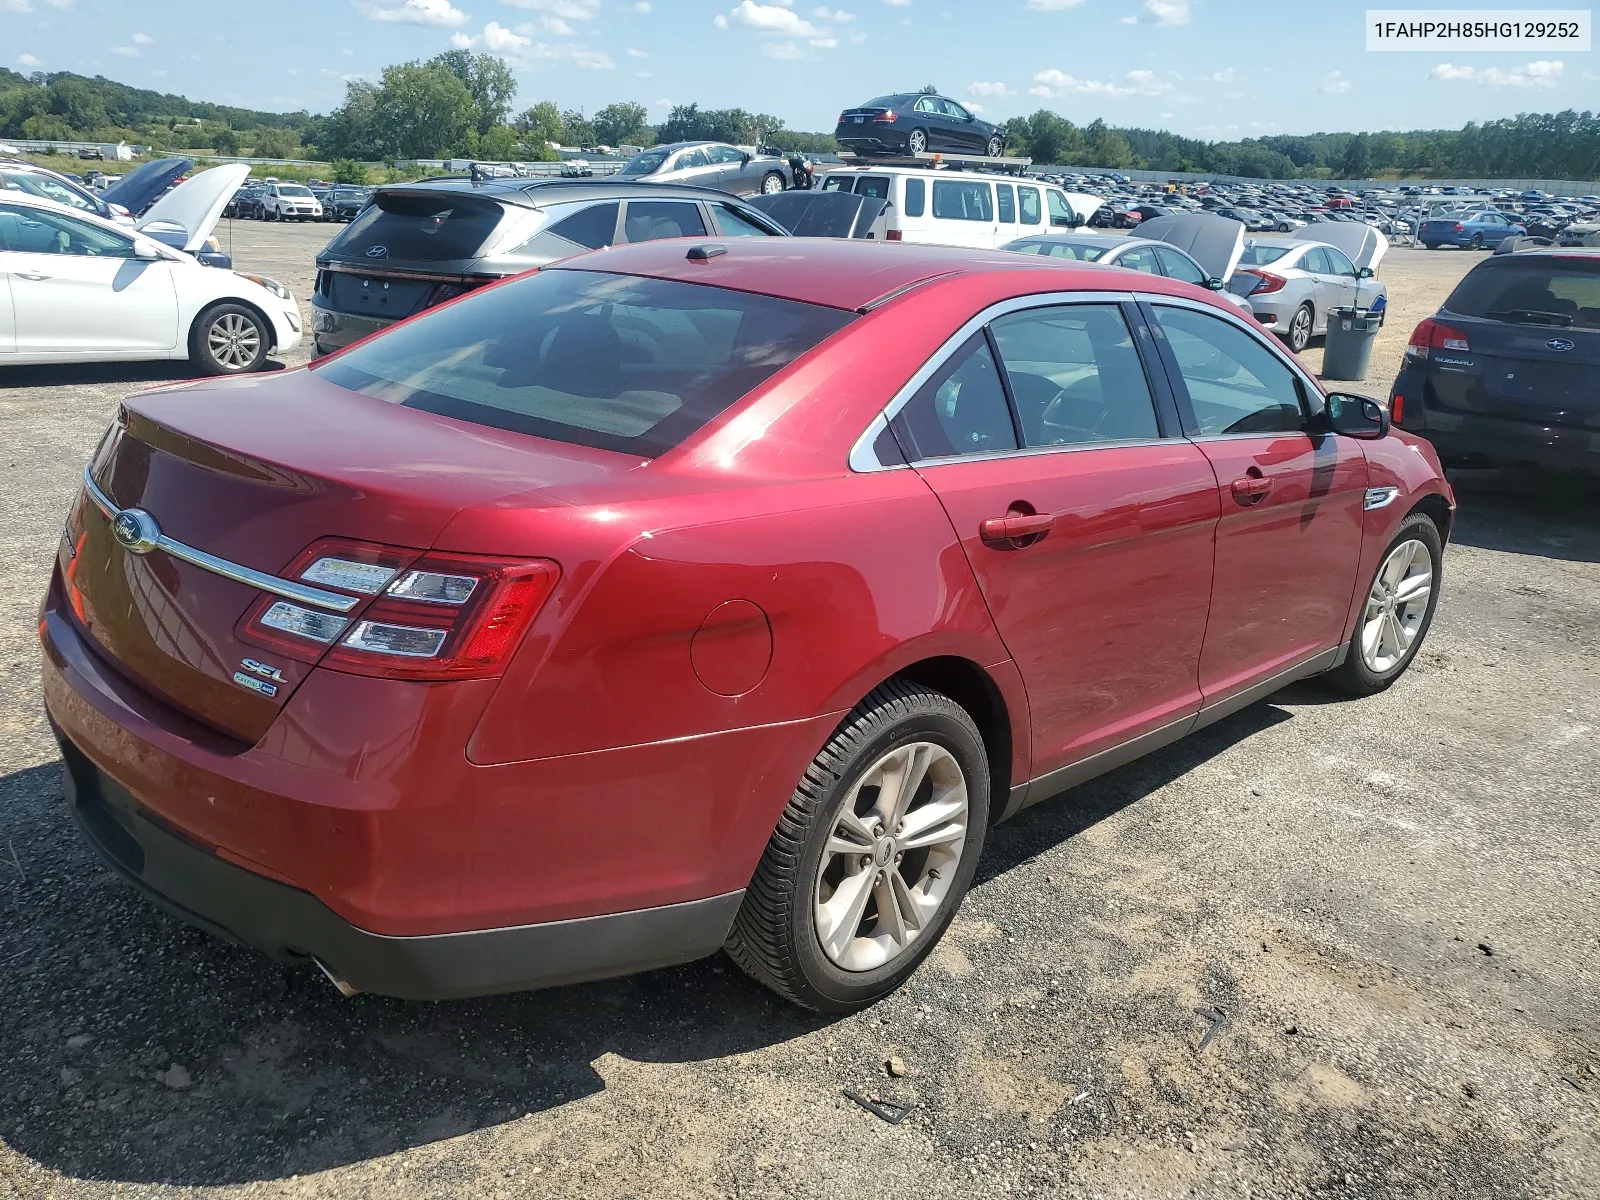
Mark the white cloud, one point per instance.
(142, 39)
(1543, 73)
(63, 5)
(642, 7)
(632, 53)
(988, 89)
(1334, 83)
(566, 10)
(837, 16)
(556, 26)
(497, 39)
(1057, 84)
(974, 106)
(28, 60)
(898, 3)
(519, 47)
(771, 18)
(1053, 5)
(15, 6)
(826, 42)
(1227, 75)
(1161, 12)
(126, 51)
(785, 50)
(413, 12)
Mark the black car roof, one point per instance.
(531, 193)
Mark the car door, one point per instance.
(8, 325)
(964, 132)
(731, 173)
(1175, 264)
(1292, 500)
(1340, 268)
(1048, 420)
(77, 288)
(694, 166)
(1327, 291)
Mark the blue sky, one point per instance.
(1204, 68)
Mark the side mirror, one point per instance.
(1365, 273)
(745, 157)
(1357, 416)
(1215, 284)
(145, 251)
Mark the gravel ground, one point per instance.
(1392, 902)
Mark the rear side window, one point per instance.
(649, 220)
(1562, 293)
(594, 227)
(734, 224)
(1028, 201)
(962, 200)
(961, 410)
(614, 362)
(1075, 376)
(1007, 206)
(916, 197)
(416, 227)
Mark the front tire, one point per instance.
(771, 183)
(229, 339)
(1398, 611)
(1298, 336)
(997, 146)
(872, 856)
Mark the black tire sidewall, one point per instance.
(1311, 324)
(1415, 527)
(831, 987)
(200, 351)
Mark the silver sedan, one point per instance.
(1133, 253)
(1292, 285)
(710, 164)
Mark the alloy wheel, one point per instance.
(234, 341)
(771, 184)
(891, 856)
(917, 143)
(997, 147)
(1397, 606)
(1300, 330)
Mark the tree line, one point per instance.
(459, 105)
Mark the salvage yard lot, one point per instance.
(1393, 901)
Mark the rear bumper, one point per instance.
(861, 140)
(194, 884)
(333, 330)
(1476, 438)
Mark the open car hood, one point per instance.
(196, 204)
(1216, 243)
(821, 214)
(1362, 244)
(137, 190)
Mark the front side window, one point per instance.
(1175, 265)
(613, 362)
(35, 231)
(1007, 204)
(1338, 264)
(1060, 211)
(651, 220)
(1235, 384)
(1315, 261)
(725, 154)
(962, 200)
(916, 197)
(1075, 376)
(961, 410)
(1028, 204)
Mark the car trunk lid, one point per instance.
(252, 471)
(1532, 372)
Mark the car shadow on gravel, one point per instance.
(136, 1049)
(69, 374)
(1525, 512)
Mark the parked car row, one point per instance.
(275, 200)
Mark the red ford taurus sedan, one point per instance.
(690, 596)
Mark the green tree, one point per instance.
(421, 112)
(1107, 147)
(275, 143)
(1356, 161)
(499, 144)
(225, 141)
(347, 170)
(620, 124)
(576, 129)
(77, 102)
(488, 81)
(539, 124)
(351, 129)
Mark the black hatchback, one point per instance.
(416, 245)
(917, 123)
(1505, 372)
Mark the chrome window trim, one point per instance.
(862, 458)
(1030, 451)
(287, 588)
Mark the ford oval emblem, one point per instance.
(135, 530)
(377, 252)
(1559, 344)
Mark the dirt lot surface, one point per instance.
(1393, 903)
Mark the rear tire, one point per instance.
(1477, 241)
(811, 883)
(1398, 610)
(917, 142)
(1298, 336)
(772, 183)
(229, 339)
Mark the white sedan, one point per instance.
(75, 288)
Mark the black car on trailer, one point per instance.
(917, 123)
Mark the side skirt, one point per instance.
(1024, 795)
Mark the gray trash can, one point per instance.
(1348, 350)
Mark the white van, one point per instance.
(962, 208)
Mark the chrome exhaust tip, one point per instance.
(345, 989)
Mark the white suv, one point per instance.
(290, 202)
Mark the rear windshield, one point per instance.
(1257, 255)
(609, 361)
(1563, 292)
(645, 163)
(419, 227)
(1060, 249)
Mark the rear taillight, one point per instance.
(1266, 282)
(1458, 228)
(430, 616)
(1397, 408)
(892, 235)
(1431, 335)
(886, 118)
